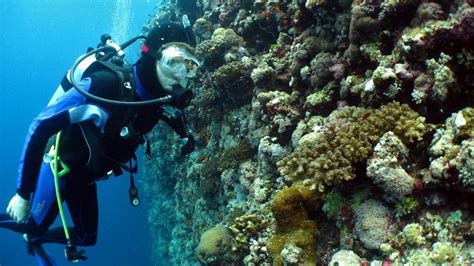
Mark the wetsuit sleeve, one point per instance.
(64, 111)
(48, 122)
(178, 124)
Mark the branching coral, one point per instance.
(434, 239)
(245, 227)
(438, 83)
(286, 75)
(347, 139)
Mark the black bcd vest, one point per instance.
(94, 154)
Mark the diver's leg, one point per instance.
(83, 207)
(42, 257)
(7, 222)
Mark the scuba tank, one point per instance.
(108, 51)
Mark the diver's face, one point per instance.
(176, 65)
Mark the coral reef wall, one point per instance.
(326, 132)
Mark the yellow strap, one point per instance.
(54, 165)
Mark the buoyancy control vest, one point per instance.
(85, 148)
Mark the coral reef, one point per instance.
(437, 239)
(352, 118)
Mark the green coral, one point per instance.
(321, 98)
(414, 234)
(454, 219)
(384, 77)
(408, 206)
(373, 52)
(452, 148)
(328, 157)
(353, 84)
(419, 256)
(435, 239)
(443, 252)
(333, 203)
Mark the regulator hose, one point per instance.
(98, 99)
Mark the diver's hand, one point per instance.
(18, 208)
(188, 146)
(185, 21)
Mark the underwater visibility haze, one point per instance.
(326, 132)
(39, 41)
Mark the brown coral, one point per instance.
(329, 157)
(294, 227)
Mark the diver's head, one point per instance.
(169, 59)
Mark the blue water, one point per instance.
(38, 42)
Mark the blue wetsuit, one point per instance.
(89, 146)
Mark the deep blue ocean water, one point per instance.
(39, 40)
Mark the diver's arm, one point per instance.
(189, 30)
(69, 108)
(42, 128)
(178, 124)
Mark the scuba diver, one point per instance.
(90, 130)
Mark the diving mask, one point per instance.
(176, 65)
